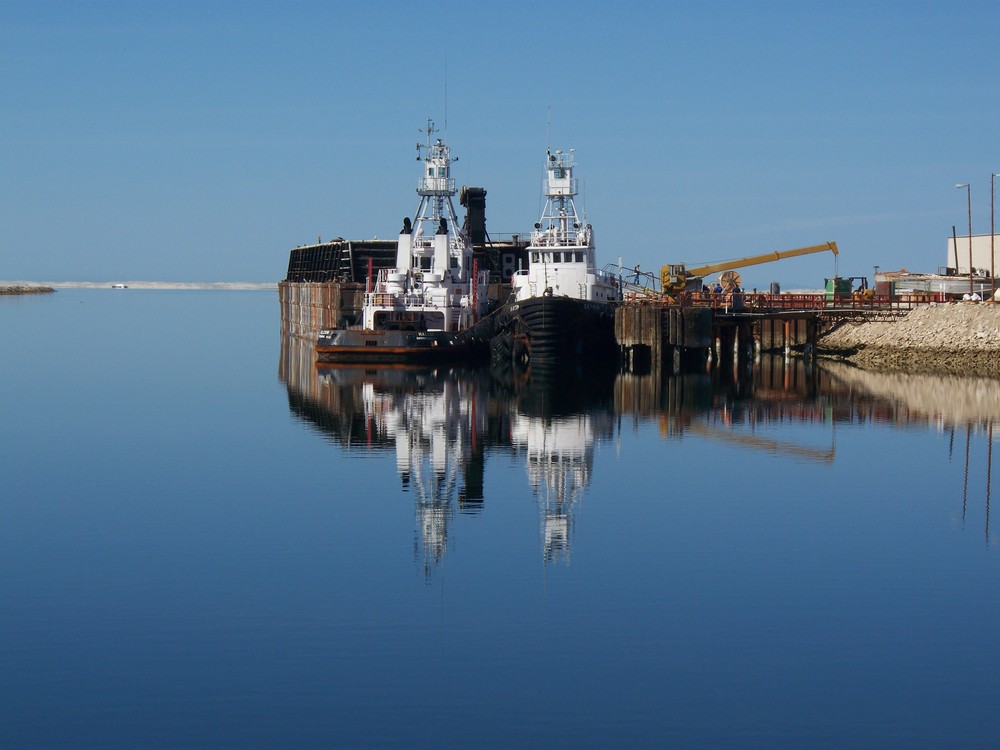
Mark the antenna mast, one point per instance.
(548, 128)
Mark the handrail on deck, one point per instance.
(763, 302)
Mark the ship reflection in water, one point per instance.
(559, 451)
(441, 423)
(433, 420)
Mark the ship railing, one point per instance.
(555, 237)
(560, 158)
(436, 185)
(511, 238)
(799, 301)
(634, 280)
(380, 299)
(390, 299)
(607, 276)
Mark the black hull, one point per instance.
(555, 331)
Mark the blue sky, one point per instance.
(200, 141)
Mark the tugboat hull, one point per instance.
(549, 330)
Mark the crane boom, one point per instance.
(674, 278)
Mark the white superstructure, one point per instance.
(435, 285)
(561, 257)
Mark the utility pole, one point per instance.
(968, 196)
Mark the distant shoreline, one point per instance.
(6, 288)
(23, 287)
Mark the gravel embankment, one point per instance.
(958, 338)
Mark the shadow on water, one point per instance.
(441, 422)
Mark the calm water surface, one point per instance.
(207, 542)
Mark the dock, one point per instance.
(708, 325)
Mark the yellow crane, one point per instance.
(675, 278)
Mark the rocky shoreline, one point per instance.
(25, 289)
(937, 339)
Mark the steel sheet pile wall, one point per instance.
(641, 326)
(307, 308)
(658, 327)
(776, 334)
(694, 327)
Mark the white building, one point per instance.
(983, 264)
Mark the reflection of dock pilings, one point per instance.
(678, 336)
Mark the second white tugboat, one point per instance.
(419, 310)
(563, 306)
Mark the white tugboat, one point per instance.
(420, 309)
(563, 306)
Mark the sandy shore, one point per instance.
(194, 285)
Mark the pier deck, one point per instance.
(703, 322)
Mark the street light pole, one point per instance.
(993, 235)
(968, 196)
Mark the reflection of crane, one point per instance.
(676, 278)
(765, 444)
